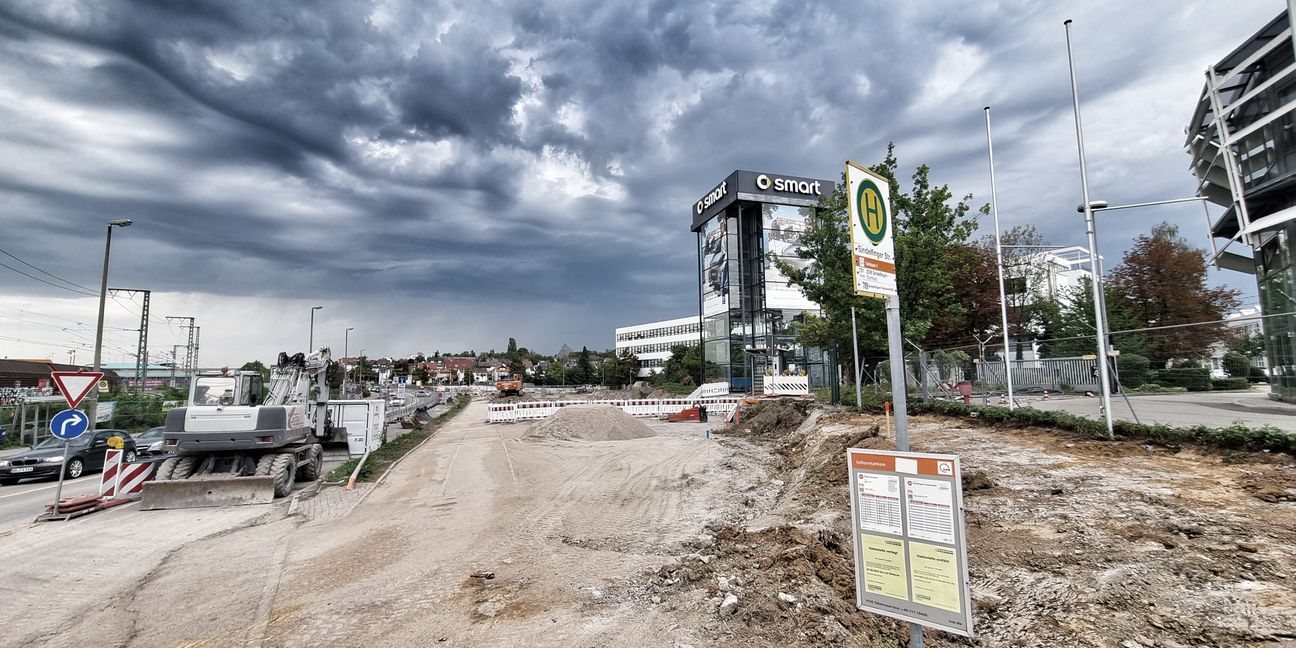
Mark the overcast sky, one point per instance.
(444, 175)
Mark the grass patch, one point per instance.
(391, 451)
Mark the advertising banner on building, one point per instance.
(868, 201)
(910, 551)
(105, 411)
(783, 226)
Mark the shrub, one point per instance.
(1233, 437)
(1133, 369)
(1236, 364)
(1224, 384)
(1190, 378)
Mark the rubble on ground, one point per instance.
(1070, 541)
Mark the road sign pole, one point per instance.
(859, 397)
(58, 492)
(895, 342)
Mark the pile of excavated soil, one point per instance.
(1070, 541)
(589, 423)
(771, 418)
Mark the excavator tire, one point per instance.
(284, 469)
(166, 469)
(265, 465)
(184, 468)
(310, 471)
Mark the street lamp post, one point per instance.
(310, 346)
(346, 348)
(92, 410)
(1003, 296)
(1099, 315)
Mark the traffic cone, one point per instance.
(1045, 394)
(1003, 398)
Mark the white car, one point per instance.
(397, 401)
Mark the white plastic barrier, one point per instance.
(787, 385)
(719, 408)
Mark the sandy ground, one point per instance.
(560, 524)
(483, 538)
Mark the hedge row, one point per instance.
(1239, 382)
(1233, 437)
(1191, 378)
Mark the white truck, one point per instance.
(232, 449)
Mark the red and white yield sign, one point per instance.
(75, 385)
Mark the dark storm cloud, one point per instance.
(543, 155)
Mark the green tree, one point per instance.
(1236, 364)
(1068, 329)
(258, 366)
(683, 366)
(1250, 346)
(930, 229)
(620, 369)
(512, 347)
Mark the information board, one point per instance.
(910, 552)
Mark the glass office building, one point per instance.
(1242, 139)
(748, 309)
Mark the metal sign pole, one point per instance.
(859, 395)
(895, 342)
(58, 492)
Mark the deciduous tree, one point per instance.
(1162, 282)
(930, 228)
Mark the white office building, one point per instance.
(1052, 274)
(652, 342)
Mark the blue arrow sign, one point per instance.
(69, 424)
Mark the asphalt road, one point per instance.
(22, 502)
(1214, 409)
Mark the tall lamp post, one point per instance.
(310, 346)
(1003, 298)
(346, 348)
(92, 410)
(1100, 316)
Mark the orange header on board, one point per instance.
(887, 463)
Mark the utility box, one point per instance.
(364, 421)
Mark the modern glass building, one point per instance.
(1242, 139)
(747, 307)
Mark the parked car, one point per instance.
(85, 454)
(149, 444)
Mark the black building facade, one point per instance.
(748, 309)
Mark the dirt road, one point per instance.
(485, 536)
(561, 525)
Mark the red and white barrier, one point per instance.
(649, 408)
(123, 480)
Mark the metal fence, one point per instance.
(1048, 373)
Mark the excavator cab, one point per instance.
(226, 389)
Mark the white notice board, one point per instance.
(910, 550)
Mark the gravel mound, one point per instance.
(589, 423)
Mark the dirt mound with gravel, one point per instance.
(589, 423)
(771, 418)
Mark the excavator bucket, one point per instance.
(202, 493)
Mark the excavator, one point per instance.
(233, 448)
(509, 386)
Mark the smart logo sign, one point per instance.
(711, 198)
(789, 185)
(872, 245)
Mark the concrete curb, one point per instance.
(1276, 408)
